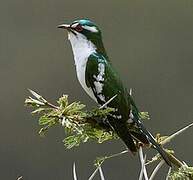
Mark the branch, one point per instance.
(168, 139)
(74, 172)
(143, 168)
(157, 168)
(81, 126)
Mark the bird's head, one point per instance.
(82, 32)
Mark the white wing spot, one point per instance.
(101, 69)
(102, 97)
(130, 120)
(98, 86)
(99, 81)
(117, 116)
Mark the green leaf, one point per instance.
(73, 108)
(33, 102)
(39, 110)
(44, 120)
(183, 173)
(63, 101)
(144, 115)
(75, 140)
(36, 95)
(43, 130)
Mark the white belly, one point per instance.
(82, 49)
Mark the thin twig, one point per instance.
(156, 169)
(167, 177)
(117, 154)
(130, 91)
(52, 105)
(168, 139)
(74, 171)
(41, 100)
(101, 173)
(109, 157)
(20, 178)
(94, 173)
(108, 101)
(143, 168)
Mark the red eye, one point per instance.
(78, 28)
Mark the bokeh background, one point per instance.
(150, 42)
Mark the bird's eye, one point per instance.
(79, 28)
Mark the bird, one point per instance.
(103, 84)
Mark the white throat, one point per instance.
(82, 49)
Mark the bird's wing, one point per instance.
(105, 84)
(94, 76)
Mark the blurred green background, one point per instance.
(150, 42)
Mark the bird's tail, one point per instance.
(136, 119)
(152, 140)
(123, 132)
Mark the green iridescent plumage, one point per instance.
(111, 86)
(101, 82)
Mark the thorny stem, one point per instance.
(104, 105)
(51, 105)
(143, 168)
(171, 157)
(98, 169)
(74, 171)
(20, 178)
(168, 139)
(117, 154)
(167, 177)
(101, 173)
(156, 169)
(93, 174)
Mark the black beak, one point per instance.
(67, 27)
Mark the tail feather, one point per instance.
(140, 137)
(135, 117)
(152, 140)
(122, 131)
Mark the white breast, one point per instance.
(82, 49)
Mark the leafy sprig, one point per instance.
(82, 126)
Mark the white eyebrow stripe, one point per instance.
(74, 25)
(90, 28)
